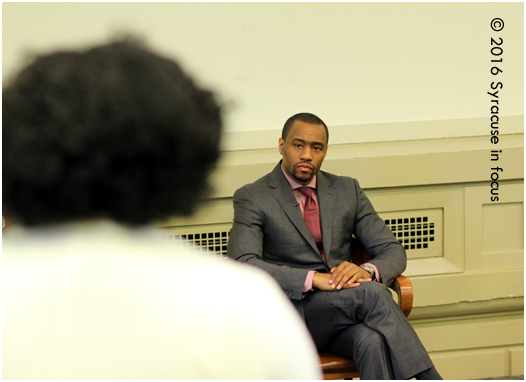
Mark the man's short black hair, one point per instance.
(115, 131)
(303, 117)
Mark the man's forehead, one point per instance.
(308, 132)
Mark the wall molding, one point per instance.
(497, 306)
(381, 132)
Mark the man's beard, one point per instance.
(302, 178)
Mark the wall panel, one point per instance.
(494, 231)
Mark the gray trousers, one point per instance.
(366, 324)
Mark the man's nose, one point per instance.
(306, 154)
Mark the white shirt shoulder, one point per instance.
(107, 303)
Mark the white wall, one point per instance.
(350, 63)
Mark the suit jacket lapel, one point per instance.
(285, 197)
(327, 202)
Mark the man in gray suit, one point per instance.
(297, 223)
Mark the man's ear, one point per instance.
(281, 143)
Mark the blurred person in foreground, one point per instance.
(97, 146)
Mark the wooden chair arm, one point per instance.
(404, 290)
(336, 367)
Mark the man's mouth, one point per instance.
(304, 167)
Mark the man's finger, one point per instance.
(351, 280)
(360, 280)
(353, 285)
(340, 272)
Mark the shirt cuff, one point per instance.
(307, 286)
(376, 273)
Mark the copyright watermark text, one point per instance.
(496, 63)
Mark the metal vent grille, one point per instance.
(419, 231)
(214, 242)
(413, 233)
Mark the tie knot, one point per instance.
(306, 191)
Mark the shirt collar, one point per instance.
(295, 185)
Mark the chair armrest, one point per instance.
(404, 290)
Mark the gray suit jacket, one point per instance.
(270, 232)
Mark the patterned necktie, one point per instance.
(312, 218)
